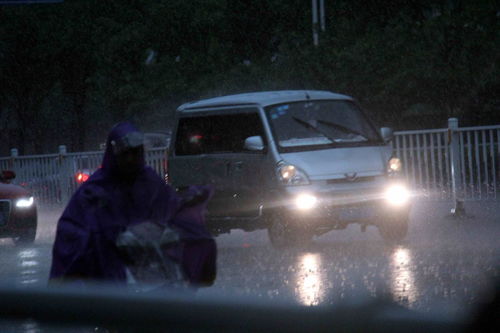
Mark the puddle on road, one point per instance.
(309, 279)
(29, 266)
(402, 285)
(314, 281)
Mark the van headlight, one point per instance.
(25, 202)
(394, 165)
(397, 195)
(305, 201)
(291, 175)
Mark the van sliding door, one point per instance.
(217, 139)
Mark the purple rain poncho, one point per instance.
(104, 206)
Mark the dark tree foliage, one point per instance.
(68, 71)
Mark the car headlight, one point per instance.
(291, 175)
(25, 202)
(306, 201)
(397, 195)
(394, 165)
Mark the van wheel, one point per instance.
(394, 228)
(26, 237)
(284, 234)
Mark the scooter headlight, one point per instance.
(397, 195)
(291, 175)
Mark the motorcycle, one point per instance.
(181, 255)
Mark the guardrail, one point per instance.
(426, 163)
(446, 163)
(52, 178)
(452, 163)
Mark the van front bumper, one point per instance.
(366, 207)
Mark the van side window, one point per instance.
(216, 134)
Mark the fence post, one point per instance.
(63, 174)
(14, 153)
(456, 175)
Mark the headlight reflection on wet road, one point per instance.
(402, 284)
(28, 262)
(309, 280)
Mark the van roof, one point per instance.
(264, 98)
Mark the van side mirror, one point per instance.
(254, 143)
(387, 134)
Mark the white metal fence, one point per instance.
(52, 177)
(452, 163)
(448, 163)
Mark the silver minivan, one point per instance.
(299, 163)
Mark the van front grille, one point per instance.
(347, 181)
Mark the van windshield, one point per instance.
(300, 125)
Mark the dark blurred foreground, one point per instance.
(117, 309)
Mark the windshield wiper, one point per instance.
(342, 128)
(314, 128)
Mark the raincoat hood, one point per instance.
(123, 135)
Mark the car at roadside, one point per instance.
(18, 211)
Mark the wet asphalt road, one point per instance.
(445, 265)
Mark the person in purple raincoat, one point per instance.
(122, 193)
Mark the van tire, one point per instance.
(27, 237)
(394, 228)
(283, 234)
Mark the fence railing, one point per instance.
(52, 178)
(447, 163)
(480, 161)
(426, 163)
(452, 163)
